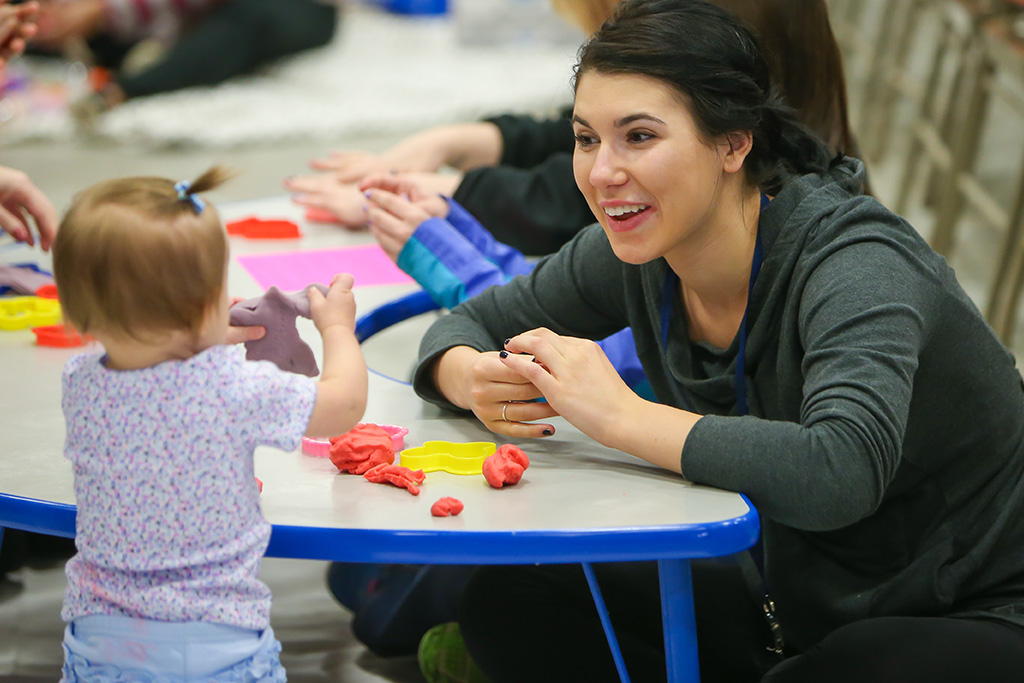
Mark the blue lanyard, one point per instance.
(667, 296)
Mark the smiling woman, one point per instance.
(806, 347)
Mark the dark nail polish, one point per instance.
(503, 354)
(548, 432)
(507, 340)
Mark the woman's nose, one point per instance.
(607, 169)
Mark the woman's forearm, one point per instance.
(651, 431)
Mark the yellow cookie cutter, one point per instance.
(19, 312)
(455, 458)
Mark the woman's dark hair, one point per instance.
(714, 60)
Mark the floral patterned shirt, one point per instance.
(169, 524)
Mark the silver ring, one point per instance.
(503, 407)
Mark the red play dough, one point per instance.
(506, 466)
(259, 483)
(446, 506)
(362, 448)
(396, 475)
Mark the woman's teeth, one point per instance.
(625, 210)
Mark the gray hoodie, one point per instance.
(884, 448)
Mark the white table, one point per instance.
(578, 501)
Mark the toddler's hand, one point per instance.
(338, 308)
(241, 335)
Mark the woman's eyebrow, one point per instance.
(624, 121)
(641, 116)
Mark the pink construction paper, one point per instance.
(290, 271)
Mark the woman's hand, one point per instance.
(241, 335)
(501, 398)
(345, 201)
(574, 375)
(580, 383)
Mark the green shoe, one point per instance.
(443, 657)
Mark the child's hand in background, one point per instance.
(338, 308)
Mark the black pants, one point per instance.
(540, 624)
(233, 39)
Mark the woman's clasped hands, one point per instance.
(575, 377)
(572, 375)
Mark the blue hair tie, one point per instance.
(184, 195)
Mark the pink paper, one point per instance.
(290, 271)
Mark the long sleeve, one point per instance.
(864, 320)
(528, 141)
(535, 210)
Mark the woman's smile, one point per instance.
(623, 217)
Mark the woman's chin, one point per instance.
(632, 254)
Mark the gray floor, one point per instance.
(318, 645)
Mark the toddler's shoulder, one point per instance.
(80, 364)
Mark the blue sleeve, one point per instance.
(447, 264)
(509, 260)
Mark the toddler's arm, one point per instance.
(341, 391)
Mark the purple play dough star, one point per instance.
(282, 344)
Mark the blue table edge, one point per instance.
(684, 541)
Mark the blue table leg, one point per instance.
(606, 622)
(678, 621)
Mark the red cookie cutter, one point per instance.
(258, 228)
(61, 336)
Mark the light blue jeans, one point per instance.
(125, 650)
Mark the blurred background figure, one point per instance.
(145, 47)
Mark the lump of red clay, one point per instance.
(506, 466)
(362, 448)
(396, 475)
(445, 507)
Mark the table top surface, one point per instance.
(577, 501)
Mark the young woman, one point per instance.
(807, 349)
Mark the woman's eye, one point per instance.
(583, 140)
(638, 136)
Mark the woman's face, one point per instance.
(647, 174)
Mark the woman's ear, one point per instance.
(737, 146)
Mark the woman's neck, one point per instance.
(713, 265)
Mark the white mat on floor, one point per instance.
(383, 72)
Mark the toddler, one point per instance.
(161, 429)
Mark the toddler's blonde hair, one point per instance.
(133, 258)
